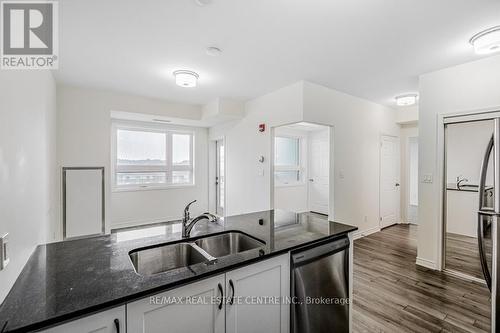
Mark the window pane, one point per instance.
(140, 178)
(287, 177)
(287, 151)
(181, 146)
(140, 148)
(181, 177)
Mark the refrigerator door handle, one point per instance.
(484, 211)
(482, 252)
(482, 177)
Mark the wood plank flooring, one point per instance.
(393, 294)
(462, 255)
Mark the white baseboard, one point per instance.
(427, 263)
(362, 233)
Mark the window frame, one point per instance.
(298, 168)
(169, 168)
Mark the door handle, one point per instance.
(221, 296)
(231, 299)
(117, 325)
(482, 252)
(484, 169)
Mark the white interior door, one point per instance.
(389, 181)
(319, 170)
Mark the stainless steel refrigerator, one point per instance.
(488, 217)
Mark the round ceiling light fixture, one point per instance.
(406, 99)
(486, 41)
(186, 79)
(203, 2)
(213, 51)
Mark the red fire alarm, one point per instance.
(262, 127)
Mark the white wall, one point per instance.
(413, 170)
(407, 132)
(248, 182)
(461, 213)
(465, 147)
(354, 180)
(470, 86)
(84, 139)
(407, 115)
(358, 125)
(27, 165)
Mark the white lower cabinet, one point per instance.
(109, 321)
(180, 310)
(252, 287)
(242, 288)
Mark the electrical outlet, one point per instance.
(4, 254)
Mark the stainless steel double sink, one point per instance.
(207, 249)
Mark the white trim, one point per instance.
(144, 222)
(427, 264)
(442, 119)
(464, 276)
(363, 233)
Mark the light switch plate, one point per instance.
(4, 254)
(427, 178)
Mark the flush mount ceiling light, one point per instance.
(186, 79)
(203, 2)
(406, 100)
(213, 51)
(486, 41)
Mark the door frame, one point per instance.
(381, 136)
(309, 175)
(212, 173)
(217, 177)
(331, 166)
(443, 120)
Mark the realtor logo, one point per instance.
(29, 35)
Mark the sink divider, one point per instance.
(204, 253)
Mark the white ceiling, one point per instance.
(373, 49)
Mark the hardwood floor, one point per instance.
(393, 294)
(462, 255)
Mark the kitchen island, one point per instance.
(68, 280)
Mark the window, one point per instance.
(287, 164)
(152, 157)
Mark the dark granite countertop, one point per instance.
(67, 280)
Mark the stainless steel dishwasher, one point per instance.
(320, 287)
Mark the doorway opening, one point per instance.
(220, 180)
(465, 146)
(301, 166)
(412, 180)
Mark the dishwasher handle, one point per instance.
(306, 255)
